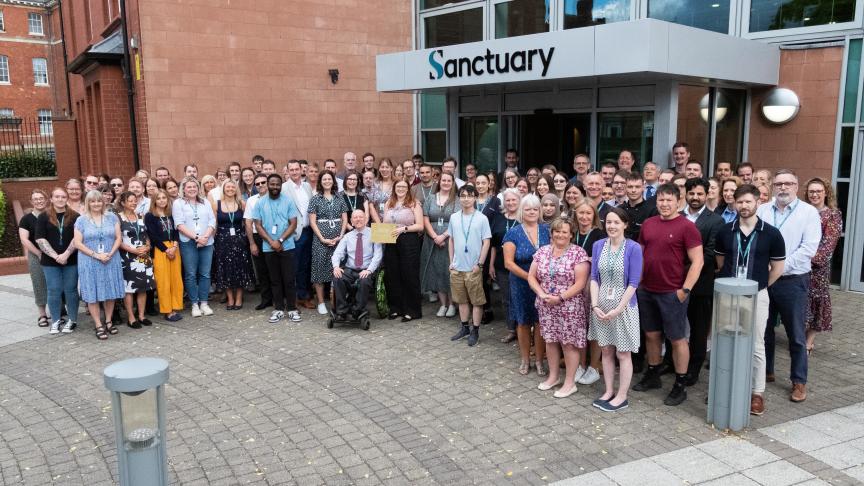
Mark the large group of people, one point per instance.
(600, 270)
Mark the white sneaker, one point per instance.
(322, 308)
(580, 371)
(433, 297)
(196, 311)
(441, 311)
(68, 327)
(451, 311)
(205, 309)
(589, 377)
(55, 327)
(294, 316)
(276, 316)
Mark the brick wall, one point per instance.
(806, 144)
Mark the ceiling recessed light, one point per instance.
(715, 5)
(806, 19)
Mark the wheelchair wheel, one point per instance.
(364, 323)
(330, 323)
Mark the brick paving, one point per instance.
(255, 403)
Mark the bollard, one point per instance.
(138, 406)
(730, 379)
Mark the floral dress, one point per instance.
(329, 220)
(819, 312)
(564, 323)
(137, 270)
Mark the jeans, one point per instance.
(196, 270)
(282, 279)
(62, 282)
(303, 263)
(789, 300)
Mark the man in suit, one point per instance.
(701, 306)
(301, 193)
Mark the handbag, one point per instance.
(381, 296)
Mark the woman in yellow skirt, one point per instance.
(167, 268)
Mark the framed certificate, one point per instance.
(383, 233)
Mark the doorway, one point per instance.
(549, 138)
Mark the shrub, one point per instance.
(27, 163)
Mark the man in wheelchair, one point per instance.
(361, 259)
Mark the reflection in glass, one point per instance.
(702, 14)
(433, 110)
(691, 127)
(585, 13)
(521, 17)
(454, 28)
(844, 168)
(625, 130)
(433, 145)
(786, 14)
(729, 136)
(478, 142)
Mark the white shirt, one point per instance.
(250, 205)
(459, 182)
(693, 217)
(195, 216)
(301, 199)
(801, 228)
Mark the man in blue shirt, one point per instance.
(276, 219)
(468, 245)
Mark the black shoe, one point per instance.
(463, 331)
(146, 322)
(692, 379)
(474, 337)
(134, 324)
(263, 305)
(650, 380)
(677, 395)
(488, 316)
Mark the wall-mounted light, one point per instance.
(719, 113)
(334, 75)
(780, 106)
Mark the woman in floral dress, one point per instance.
(821, 195)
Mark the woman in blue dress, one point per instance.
(100, 272)
(519, 245)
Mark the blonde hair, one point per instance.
(91, 196)
(528, 202)
(237, 198)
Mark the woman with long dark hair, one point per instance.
(54, 233)
(402, 259)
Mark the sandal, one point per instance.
(509, 338)
(43, 321)
(810, 350)
(524, 368)
(110, 328)
(101, 334)
(541, 370)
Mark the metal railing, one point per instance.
(26, 135)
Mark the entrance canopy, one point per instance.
(641, 47)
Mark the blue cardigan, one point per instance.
(632, 263)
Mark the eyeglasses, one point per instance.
(816, 191)
(466, 196)
(780, 185)
(560, 181)
(116, 185)
(91, 183)
(264, 183)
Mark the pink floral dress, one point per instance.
(566, 322)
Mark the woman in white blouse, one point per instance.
(196, 224)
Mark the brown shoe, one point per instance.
(799, 392)
(307, 304)
(757, 405)
(769, 377)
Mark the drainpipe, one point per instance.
(130, 87)
(65, 59)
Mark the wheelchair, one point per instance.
(362, 320)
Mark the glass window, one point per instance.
(708, 15)
(850, 89)
(478, 142)
(4, 69)
(40, 70)
(454, 28)
(844, 168)
(433, 145)
(521, 17)
(427, 4)
(7, 113)
(433, 111)
(34, 24)
(729, 119)
(585, 13)
(786, 14)
(45, 125)
(625, 130)
(692, 122)
(2, 21)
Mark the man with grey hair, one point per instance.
(349, 164)
(800, 225)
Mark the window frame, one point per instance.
(36, 81)
(30, 18)
(794, 32)
(448, 9)
(490, 18)
(46, 122)
(4, 59)
(635, 12)
(2, 21)
(731, 29)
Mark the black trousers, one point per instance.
(260, 263)
(699, 313)
(402, 275)
(342, 287)
(282, 279)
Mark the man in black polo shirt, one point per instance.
(750, 248)
(637, 207)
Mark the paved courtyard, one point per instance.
(255, 403)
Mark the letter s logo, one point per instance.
(439, 69)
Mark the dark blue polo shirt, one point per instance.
(765, 242)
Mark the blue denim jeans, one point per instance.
(62, 282)
(789, 301)
(196, 270)
(303, 263)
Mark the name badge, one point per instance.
(101, 248)
(440, 221)
(610, 293)
(233, 232)
(274, 229)
(741, 272)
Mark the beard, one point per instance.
(784, 199)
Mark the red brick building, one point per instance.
(218, 82)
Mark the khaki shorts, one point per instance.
(467, 287)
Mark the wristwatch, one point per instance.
(686, 290)
(281, 240)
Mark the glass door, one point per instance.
(631, 130)
(853, 238)
(478, 143)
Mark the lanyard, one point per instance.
(137, 229)
(352, 203)
(99, 228)
(60, 218)
(481, 207)
(553, 267)
(612, 257)
(270, 210)
(746, 253)
(466, 233)
(791, 210)
(509, 226)
(529, 238)
(425, 192)
(585, 240)
(166, 226)
(231, 217)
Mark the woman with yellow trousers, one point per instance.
(167, 269)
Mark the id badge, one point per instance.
(610, 294)
(440, 221)
(101, 248)
(741, 272)
(274, 229)
(197, 228)
(233, 232)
